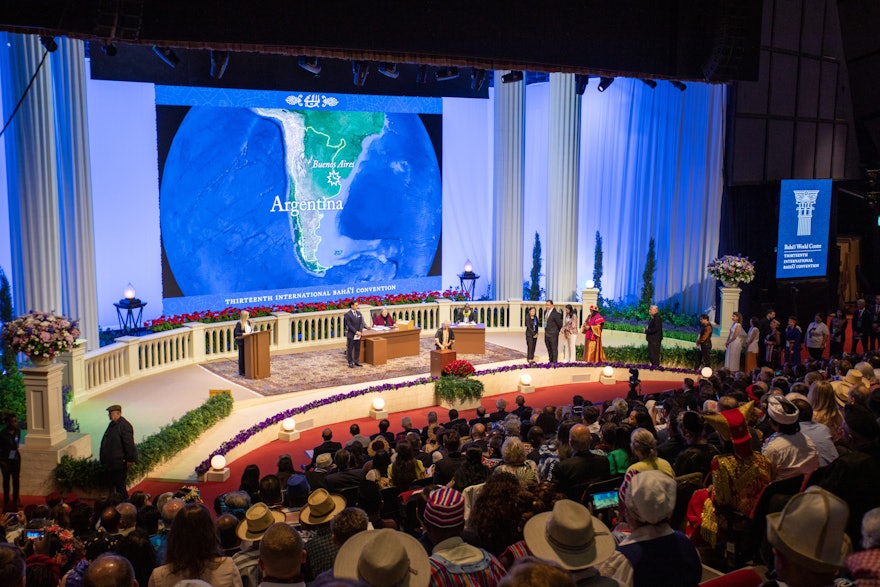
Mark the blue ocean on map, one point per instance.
(226, 170)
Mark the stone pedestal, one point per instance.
(46, 440)
(729, 305)
(589, 297)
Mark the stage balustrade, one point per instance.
(133, 357)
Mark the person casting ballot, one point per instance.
(354, 326)
(444, 337)
(242, 327)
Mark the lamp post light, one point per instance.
(468, 280)
(129, 312)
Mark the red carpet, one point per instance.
(266, 457)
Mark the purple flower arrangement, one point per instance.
(245, 435)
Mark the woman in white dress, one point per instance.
(734, 344)
(569, 334)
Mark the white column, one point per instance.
(31, 175)
(78, 278)
(589, 297)
(562, 192)
(729, 305)
(508, 172)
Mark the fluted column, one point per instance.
(562, 191)
(78, 278)
(508, 170)
(31, 175)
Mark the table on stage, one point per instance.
(470, 339)
(379, 345)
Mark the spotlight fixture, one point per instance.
(310, 64)
(109, 49)
(49, 43)
(360, 70)
(580, 83)
(678, 85)
(389, 70)
(604, 82)
(167, 55)
(650, 83)
(478, 79)
(219, 63)
(512, 76)
(422, 75)
(446, 73)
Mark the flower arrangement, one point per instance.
(732, 269)
(455, 384)
(189, 494)
(459, 368)
(41, 334)
(230, 314)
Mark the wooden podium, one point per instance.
(256, 354)
(439, 359)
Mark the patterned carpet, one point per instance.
(327, 368)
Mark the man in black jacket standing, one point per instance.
(552, 326)
(654, 334)
(118, 451)
(10, 459)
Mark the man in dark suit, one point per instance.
(861, 324)
(763, 331)
(552, 326)
(354, 326)
(344, 475)
(329, 446)
(454, 421)
(10, 460)
(481, 417)
(501, 411)
(118, 451)
(582, 467)
(444, 338)
(654, 334)
(532, 327)
(522, 411)
(874, 333)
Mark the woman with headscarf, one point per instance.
(592, 329)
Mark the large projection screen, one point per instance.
(271, 197)
(804, 219)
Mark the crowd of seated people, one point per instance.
(512, 498)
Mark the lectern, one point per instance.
(256, 354)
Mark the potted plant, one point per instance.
(41, 336)
(456, 389)
(732, 270)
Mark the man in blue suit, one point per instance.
(354, 326)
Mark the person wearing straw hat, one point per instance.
(315, 517)
(453, 561)
(282, 557)
(384, 558)
(788, 449)
(250, 531)
(653, 555)
(808, 538)
(572, 538)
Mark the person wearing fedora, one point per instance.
(808, 539)
(118, 451)
(574, 539)
(315, 517)
(384, 558)
(653, 555)
(453, 561)
(250, 531)
(788, 449)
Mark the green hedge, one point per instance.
(154, 450)
(640, 328)
(669, 356)
(458, 389)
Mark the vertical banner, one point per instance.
(804, 217)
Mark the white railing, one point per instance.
(133, 357)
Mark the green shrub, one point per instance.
(450, 388)
(13, 395)
(667, 332)
(669, 357)
(154, 450)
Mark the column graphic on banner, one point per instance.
(806, 201)
(804, 219)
